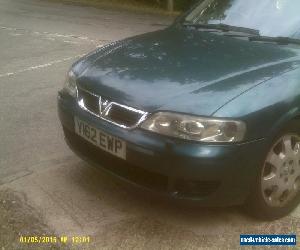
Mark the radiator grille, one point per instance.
(118, 114)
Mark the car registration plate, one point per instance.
(104, 141)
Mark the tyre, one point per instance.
(276, 192)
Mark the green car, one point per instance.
(206, 110)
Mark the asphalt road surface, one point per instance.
(39, 40)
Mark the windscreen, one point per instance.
(271, 17)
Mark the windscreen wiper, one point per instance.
(222, 27)
(279, 40)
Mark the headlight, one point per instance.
(195, 128)
(70, 84)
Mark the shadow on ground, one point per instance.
(153, 222)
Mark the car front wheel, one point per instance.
(277, 189)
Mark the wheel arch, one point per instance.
(292, 116)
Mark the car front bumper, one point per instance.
(213, 175)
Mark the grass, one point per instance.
(131, 5)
